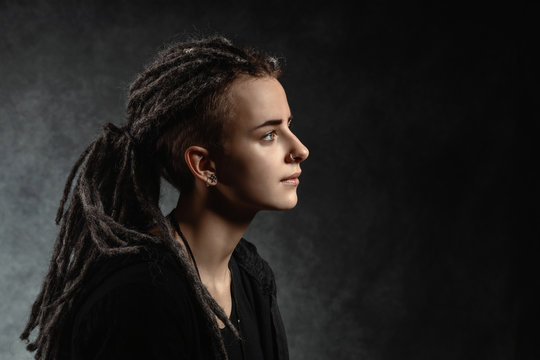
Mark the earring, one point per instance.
(212, 180)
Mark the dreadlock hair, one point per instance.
(177, 101)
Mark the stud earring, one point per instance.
(212, 180)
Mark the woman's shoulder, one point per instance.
(132, 301)
(152, 270)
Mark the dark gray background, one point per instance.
(407, 242)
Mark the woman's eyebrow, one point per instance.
(271, 123)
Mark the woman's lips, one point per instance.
(293, 179)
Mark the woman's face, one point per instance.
(260, 165)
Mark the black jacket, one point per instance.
(143, 307)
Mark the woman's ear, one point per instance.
(201, 166)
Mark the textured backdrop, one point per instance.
(405, 242)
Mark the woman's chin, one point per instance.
(287, 203)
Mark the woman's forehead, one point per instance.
(255, 100)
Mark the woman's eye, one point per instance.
(270, 136)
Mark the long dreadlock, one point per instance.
(177, 101)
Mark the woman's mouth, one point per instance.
(292, 180)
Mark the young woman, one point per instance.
(126, 281)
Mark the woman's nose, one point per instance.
(299, 152)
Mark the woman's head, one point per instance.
(181, 99)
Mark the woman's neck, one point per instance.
(211, 234)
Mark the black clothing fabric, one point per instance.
(244, 315)
(143, 306)
(233, 345)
